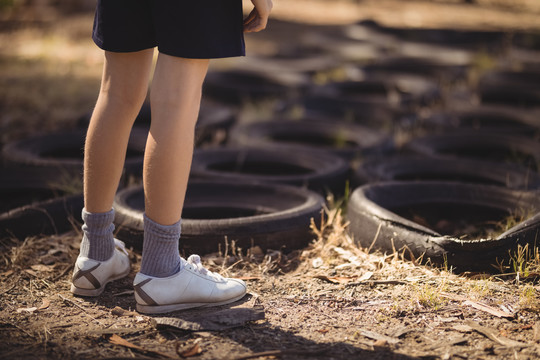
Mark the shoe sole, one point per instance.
(160, 309)
(96, 292)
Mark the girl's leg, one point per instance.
(175, 100)
(165, 281)
(123, 89)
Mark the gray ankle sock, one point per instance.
(98, 239)
(160, 255)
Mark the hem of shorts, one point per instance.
(203, 56)
(116, 50)
(185, 56)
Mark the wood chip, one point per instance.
(30, 310)
(212, 321)
(462, 328)
(491, 334)
(41, 267)
(118, 311)
(378, 337)
(479, 306)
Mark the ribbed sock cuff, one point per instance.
(160, 256)
(98, 239)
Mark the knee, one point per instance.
(124, 100)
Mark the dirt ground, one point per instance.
(331, 300)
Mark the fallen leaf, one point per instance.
(31, 272)
(6, 273)
(478, 305)
(190, 351)
(28, 310)
(491, 334)
(323, 331)
(41, 267)
(44, 304)
(380, 343)
(366, 276)
(118, 311)
(462, 328)
(118, 340)
(488, 309)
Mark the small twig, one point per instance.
(375, 238)
(378, 282)
(8, 290)
(80, 307)
(64, 272)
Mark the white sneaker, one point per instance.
(91, 276)
(194, 286)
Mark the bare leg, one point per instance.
(123, 90)
(175, 100)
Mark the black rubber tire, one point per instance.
(422, 66)
(466, 39)
(372, 113)
(514, 88)
(238, 86)
(24, 185)
(504, 119)
(265, 215)
(340, 138)
(50, 217)
(322, 173)
(493, 146)
(377, 216)
(298, 60)
(64, 150)
(393, 90)
(441, 168)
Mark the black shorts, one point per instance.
(199, 29)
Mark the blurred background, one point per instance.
(50, 69)
(386, 89)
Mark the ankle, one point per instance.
(98, 239)
(160, 256)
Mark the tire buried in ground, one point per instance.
(440, 168)
(514, 88)
(483, 145)
(318, 172)
(49, 217)
(339, 138)
(265, 215)
(492, 118)
(65, 151)
(445, 223)
(238, 86)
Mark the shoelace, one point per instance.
(195, 261)
(121, 246)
